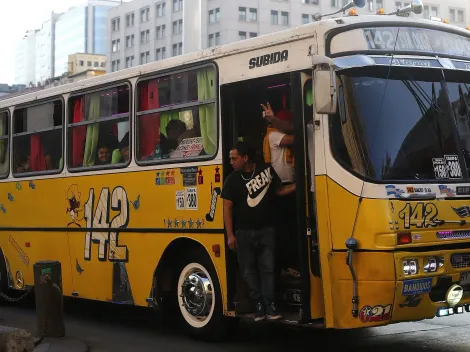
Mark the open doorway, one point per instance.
(243, 121)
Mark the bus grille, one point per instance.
(460, 260)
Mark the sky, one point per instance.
(18, 16)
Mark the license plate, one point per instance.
(465, 278)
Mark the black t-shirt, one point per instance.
(254, 197)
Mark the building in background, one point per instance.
(45, 44)
(86, 65)
(25, 59)
(147, 30)
(43, 54)
(82, 29)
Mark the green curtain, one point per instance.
(309, 95)
(92, 131)
(207, 113)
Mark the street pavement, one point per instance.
(102, 327)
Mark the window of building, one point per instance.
(115, 65)
(145, 14)
(285, 18)
(89, 63)
(434, 11)
(452, 16)
(178, 27)
(116, 46)
(145, 58)
(274, 17)
(160, 54)
(116, 24)
(160, 32)
(98, 129)
(305, 19)
(253, 34)
(313, 2)
(242, 13)
(96, 64)
(103, 64)
(177, 49)
(379, 4)
(214, 15)
(82, 63)
(177, 5)
(130, 41)
(130, 20)
(241, 35)
(334, 3)
(189, 129)
(145, 36)
(214, 39)
(130, 61)
(253, 15)
(460, 16)
(38, 151)
(161, 9)
(370, 5)
(4, 144)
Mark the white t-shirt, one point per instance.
(278, 158)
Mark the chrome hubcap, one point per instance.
(196, 294)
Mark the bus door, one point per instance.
(243, 121)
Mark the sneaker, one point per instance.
(271, 312)
(260, 312)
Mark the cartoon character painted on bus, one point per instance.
(73, 198)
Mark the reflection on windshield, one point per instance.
(400, 128)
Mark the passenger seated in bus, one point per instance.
(174, 132)
(103, 155)
(23, 164)
(277, 151)
(121, 155)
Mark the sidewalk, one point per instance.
(16, 337)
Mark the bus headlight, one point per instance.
(410, 266)
(433, 264)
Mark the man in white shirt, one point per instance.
(277, 149)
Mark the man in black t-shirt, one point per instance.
(249, 195)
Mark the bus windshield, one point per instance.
(398, 124)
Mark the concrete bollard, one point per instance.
(49, 300)
(15, 340)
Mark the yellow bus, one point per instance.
(119, 177)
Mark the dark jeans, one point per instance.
(256, 252)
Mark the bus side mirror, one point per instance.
(324, 91)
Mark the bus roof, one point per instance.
(320, 29)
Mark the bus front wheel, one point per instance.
(200, 300)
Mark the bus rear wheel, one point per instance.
(200, 300)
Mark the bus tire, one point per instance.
(199, 299)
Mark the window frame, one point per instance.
(117, 118)
(13, 135)
(177, 107)
(9, 139)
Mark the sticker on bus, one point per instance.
(180, 200)
(414, 287)
(191, 198)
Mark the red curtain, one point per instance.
(78, 133)
(38, 163)
(149, 125)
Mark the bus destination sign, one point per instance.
(412, 39)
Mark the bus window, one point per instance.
(37, 138)
(177, 116)
(99, 129)
(4, 152)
